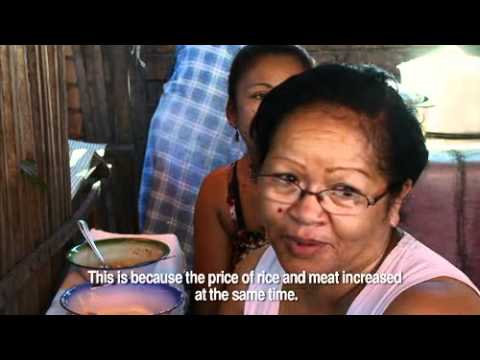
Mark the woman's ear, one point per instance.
(232, 114)
(395, 208)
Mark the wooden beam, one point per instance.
(22, 272)
(85, 103)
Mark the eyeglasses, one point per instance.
(282, 189)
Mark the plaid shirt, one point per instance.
(189, 138)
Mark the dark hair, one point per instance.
(250, 54)
(390, 125)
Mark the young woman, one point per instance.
(226, 221)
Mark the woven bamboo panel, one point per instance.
(34, 173)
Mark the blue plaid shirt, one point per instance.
(189, 138)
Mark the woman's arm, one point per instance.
(248, 264)
(213, 248)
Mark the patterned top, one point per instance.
(244, 240)
(189, 137)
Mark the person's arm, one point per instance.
(248, 264)
(441, 296)
(213, 248)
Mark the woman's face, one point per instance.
(268, 72)
(324, 147)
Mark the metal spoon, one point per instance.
(84, 229)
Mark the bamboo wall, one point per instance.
(110, 108)
(34, 175)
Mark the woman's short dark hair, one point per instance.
(250, 54)
(390, 125)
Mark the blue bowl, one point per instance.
(122, 299)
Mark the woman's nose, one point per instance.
(308, 211)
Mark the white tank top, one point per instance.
(414, 260)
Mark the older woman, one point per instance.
(337, 153)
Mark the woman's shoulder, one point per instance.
(214, 196)
(431, 284)
(435, 297)
(218, 177)
(417, 260)
(214, 189)
(412, 257)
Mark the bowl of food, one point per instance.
(122, 299)
(122, 256)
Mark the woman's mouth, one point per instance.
(304, 248)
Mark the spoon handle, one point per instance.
(86, 234)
